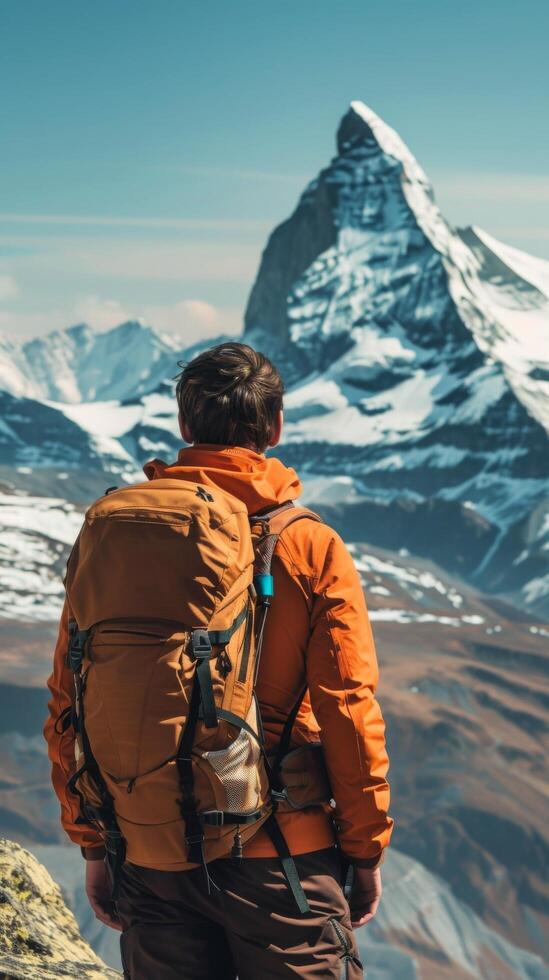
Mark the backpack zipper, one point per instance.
(182, 517)
(158, 636)
(133, 780)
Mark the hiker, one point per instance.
(215, 741)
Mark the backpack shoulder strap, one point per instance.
(272, 524)
(266, 530)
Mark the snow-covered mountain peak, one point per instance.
(368, 250)
(416, 354)
(80, 332)
(128, 331)
(12, 369)
(361, 124)
(361, 129)
(80, 364)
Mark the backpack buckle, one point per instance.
(278, 795)
(201, 644)
(213, 818)
(194, 839)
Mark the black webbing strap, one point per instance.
(268, 512)
(218, 818)
(222, 637)
(237, 722)
(194, 833)
(285, 738)
(204, 680)
(187, 804)
(202, 643)
(247, 646)
(288, 864)
(77, 645)
(104, 816)
(271, 825)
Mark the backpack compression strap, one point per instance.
(202, 706)
(103, 817)
(202, 644)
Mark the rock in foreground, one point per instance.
(39, 937)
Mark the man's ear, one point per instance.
(276, 430)
(184, 429)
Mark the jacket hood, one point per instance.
(258, 481)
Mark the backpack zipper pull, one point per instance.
(236, 851)
(131, 785)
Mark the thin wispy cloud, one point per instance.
(187, 319)
(228, 173)
(501, 188)
(134, 258)
(115, 221)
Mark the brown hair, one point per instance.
(230, 395)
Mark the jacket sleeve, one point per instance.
(61, 744)
(342, 674)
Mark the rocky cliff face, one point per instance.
(39, 937)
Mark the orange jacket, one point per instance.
(317, 632)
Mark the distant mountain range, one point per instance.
(416, 358)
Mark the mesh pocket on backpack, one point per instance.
(237, 769)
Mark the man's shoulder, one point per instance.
(308, 542)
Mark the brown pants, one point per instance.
(249, 928)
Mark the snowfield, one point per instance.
(36, 534)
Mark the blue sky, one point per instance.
(150, 147)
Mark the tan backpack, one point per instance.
(169, 585)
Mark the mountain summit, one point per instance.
(375, 198)
(417, 359)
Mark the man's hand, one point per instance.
(365, 895)
(98, 890)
